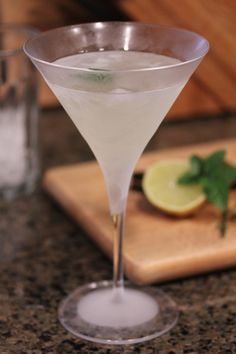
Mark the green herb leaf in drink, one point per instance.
(97, 75)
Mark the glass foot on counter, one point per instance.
(100, 313)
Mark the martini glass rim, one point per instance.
(116, 71)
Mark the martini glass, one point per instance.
(117, 81)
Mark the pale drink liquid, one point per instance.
(117, 118)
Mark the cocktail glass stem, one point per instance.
(119, 230)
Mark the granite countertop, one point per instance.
(44, 255)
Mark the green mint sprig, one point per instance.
(216, 177)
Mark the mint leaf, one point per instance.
(216, 192)
(213, 161)
(194, 174)
(216, 177)
(98, 77)
(229, 173)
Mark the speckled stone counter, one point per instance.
(44, 255)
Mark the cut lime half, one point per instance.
(161, 187)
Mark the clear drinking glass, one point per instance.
(18, 113)
(117, 108)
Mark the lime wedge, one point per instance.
(160, 186)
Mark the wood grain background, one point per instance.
(212, 88)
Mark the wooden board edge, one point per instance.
(182, 269)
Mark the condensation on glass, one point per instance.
(19, 162)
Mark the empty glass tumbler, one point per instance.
(19, 163)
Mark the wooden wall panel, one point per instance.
(209, 19)
(212, 88)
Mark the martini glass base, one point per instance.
(99, 313)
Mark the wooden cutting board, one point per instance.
(157, 247)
